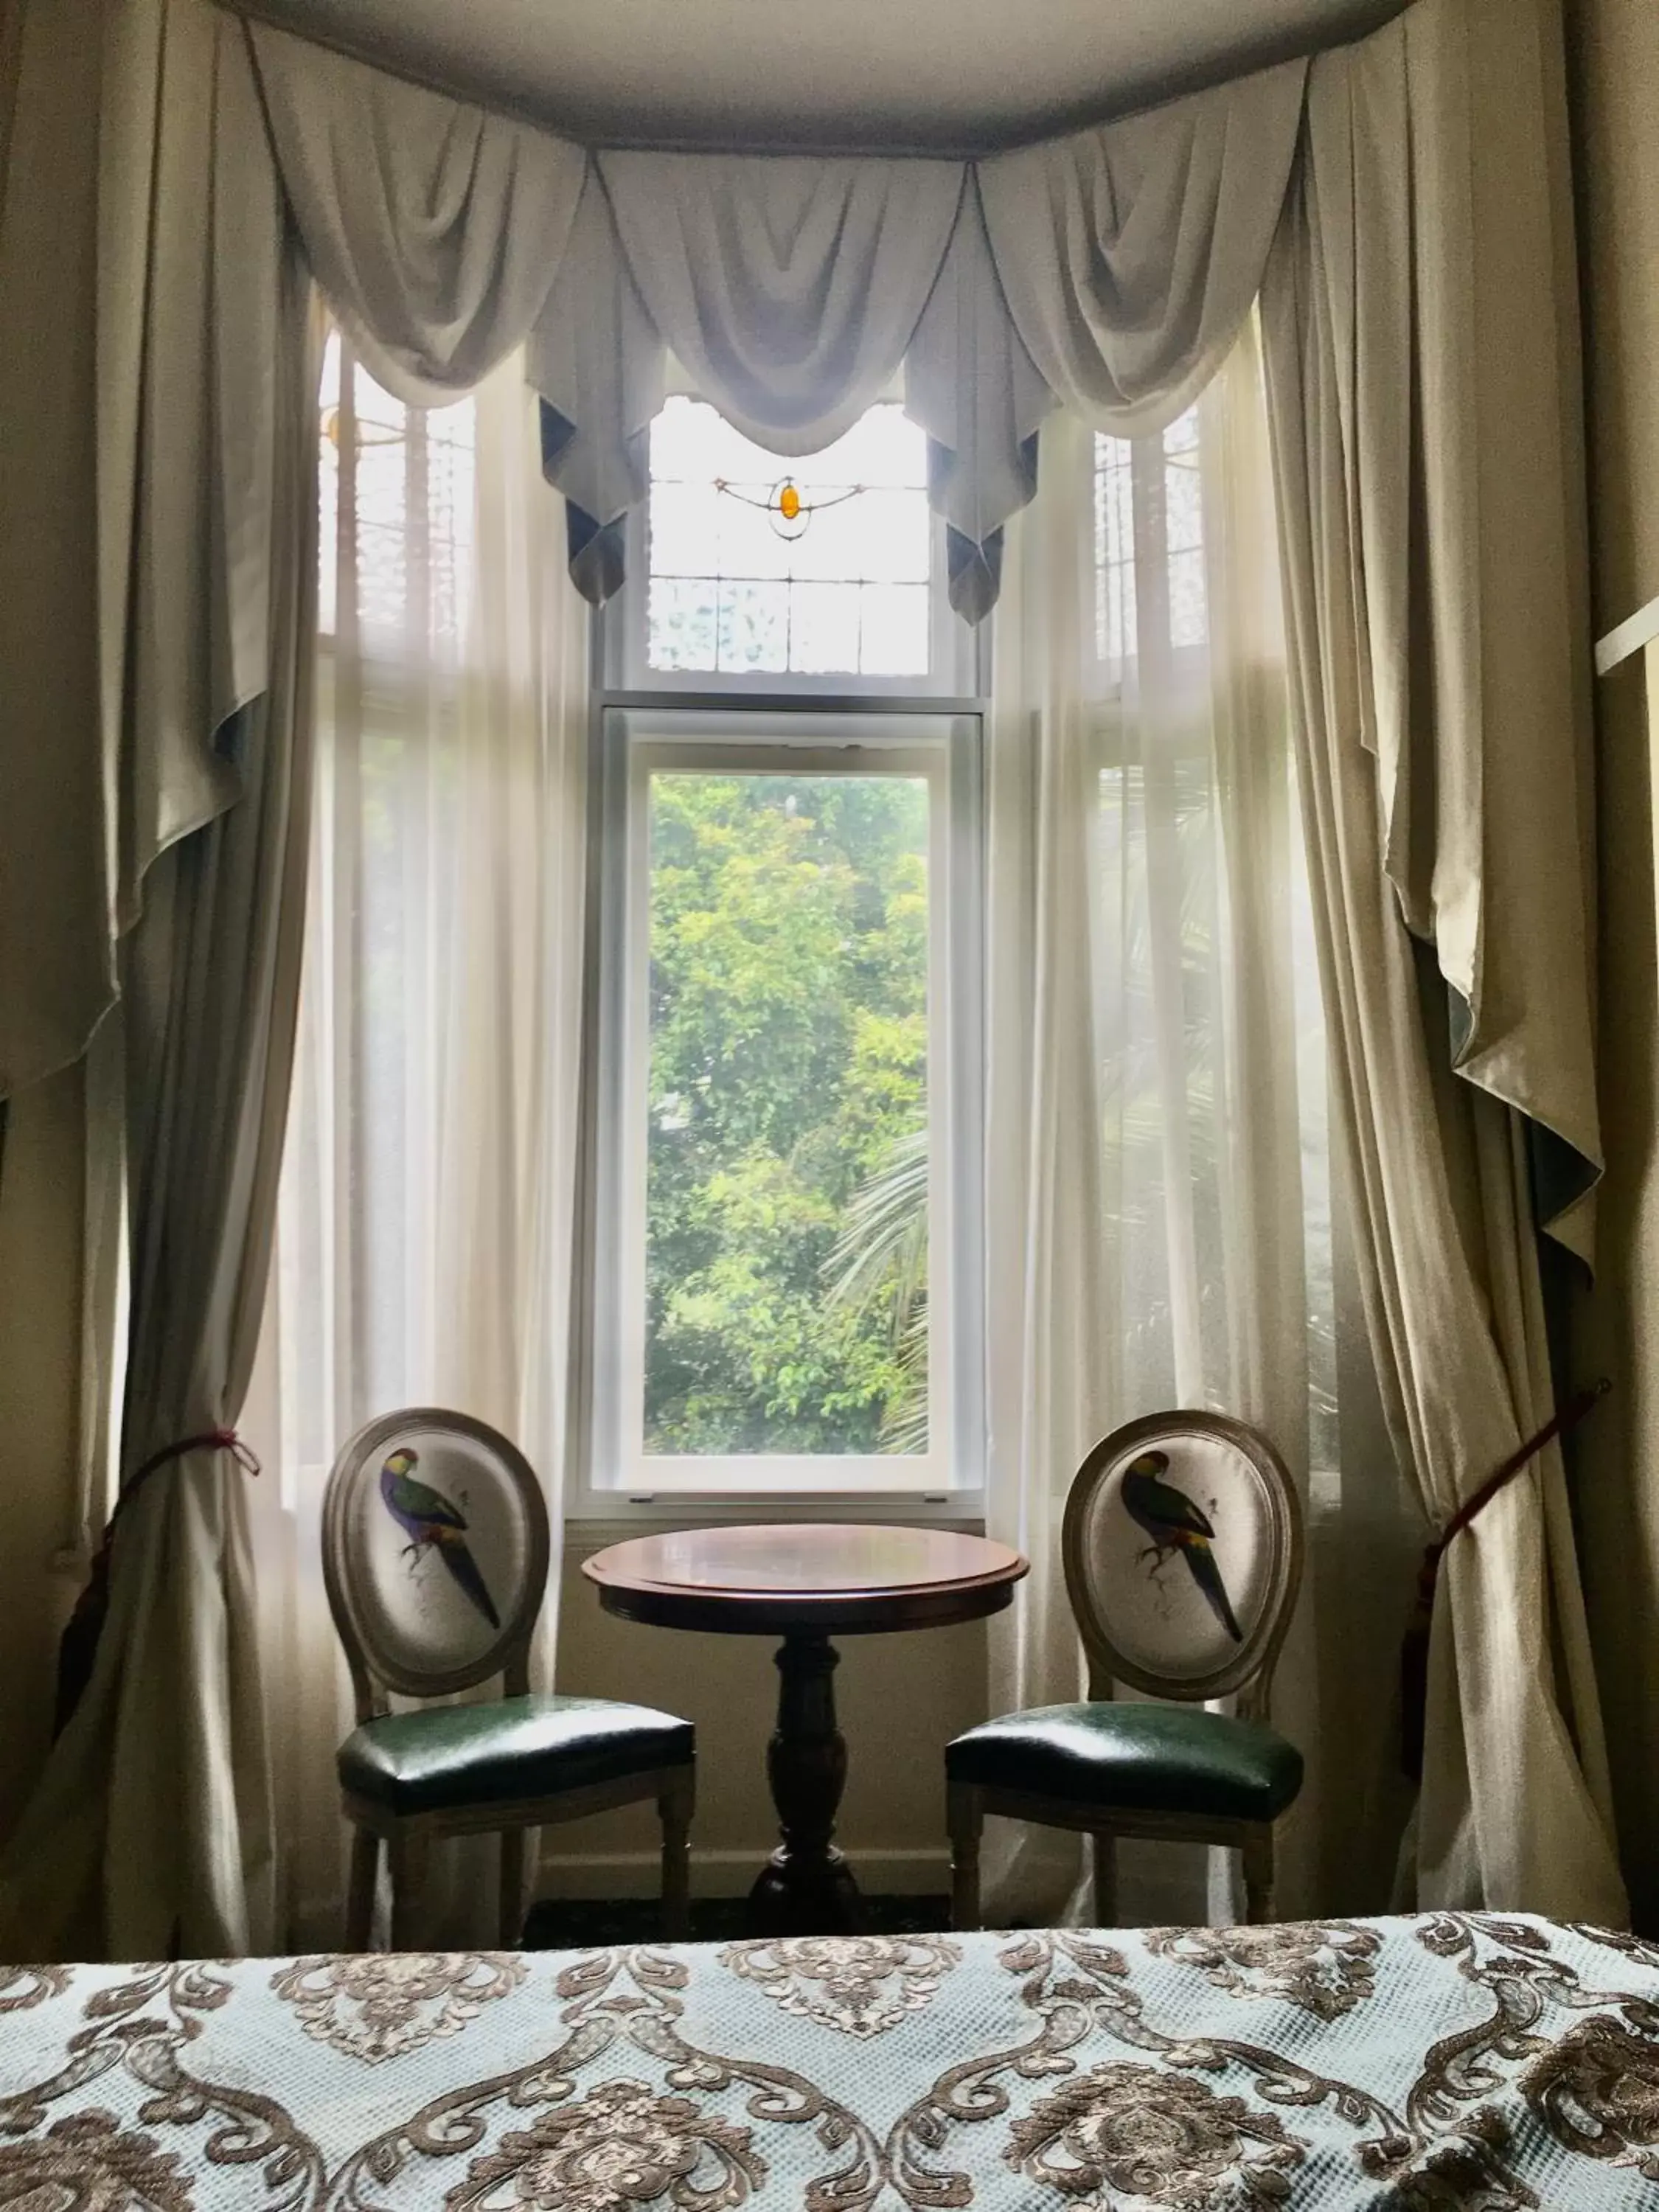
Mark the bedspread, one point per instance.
(1453, 2060)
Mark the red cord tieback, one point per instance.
(209, 1440)
(1415, 1647)
(78, 1646)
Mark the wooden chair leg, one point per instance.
(408, 1851)
(965, 1817)
(1258, 1856)
(512, 1896)
(359, 1896)
(675, 1808)
(1105, 1870)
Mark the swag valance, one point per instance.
(1108, 272)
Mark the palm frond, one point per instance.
(884, 1238)
(882, 1253)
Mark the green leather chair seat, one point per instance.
(443, 1756)
(1147, 1759)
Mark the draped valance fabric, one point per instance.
(435, 230)
(1110, 271)
(1130, 256)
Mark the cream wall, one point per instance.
(39, 1379)
(47, 580)
(1613, 62)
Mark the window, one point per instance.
(784, 1202)
(1149, 524)
(1162, 857)
(763, 574)
(407, 480)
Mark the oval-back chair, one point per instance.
(1183, 1553)
(435, 1550)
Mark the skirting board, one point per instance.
(729, 1874)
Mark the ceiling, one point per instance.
(909, 76)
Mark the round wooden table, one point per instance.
(805, 1582)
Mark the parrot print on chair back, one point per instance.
(436, 1552)
(1182, 1546)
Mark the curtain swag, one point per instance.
(1109, 271)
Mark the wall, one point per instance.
(40, 1380)
(1614, 65)
(47, 580)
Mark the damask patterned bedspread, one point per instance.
(1452, 2061)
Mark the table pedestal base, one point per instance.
(806, 1887)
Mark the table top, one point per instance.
(823, 1578)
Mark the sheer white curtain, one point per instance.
(424, 1232)
(1159, 1203)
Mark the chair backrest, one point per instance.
(436, 1555)
(1183, 1547)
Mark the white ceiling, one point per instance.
(956, 75)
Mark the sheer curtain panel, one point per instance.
(1159, 1207)
(424, 1238)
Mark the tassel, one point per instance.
(1414, 1646)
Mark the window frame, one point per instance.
(944, 738)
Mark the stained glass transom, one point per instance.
(728, 595)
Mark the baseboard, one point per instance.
(730, 1873)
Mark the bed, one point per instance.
(1454, 2060)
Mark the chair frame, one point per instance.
(1249, 1674)
(408, 1836)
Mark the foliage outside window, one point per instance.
(787, 1177)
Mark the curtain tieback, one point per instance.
(1414, 1651)
(77, 1647)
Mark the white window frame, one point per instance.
(794, 717)
(945, 743)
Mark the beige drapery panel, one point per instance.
(190, 232)
(149, 1833)
(1427, 670)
